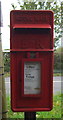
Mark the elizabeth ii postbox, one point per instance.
(31, 54)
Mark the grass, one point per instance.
(12, 114)
(58, 74)
(54, 113)
(7, 74)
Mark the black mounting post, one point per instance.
(30, 115)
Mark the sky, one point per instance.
(6, 8)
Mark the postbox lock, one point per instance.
(32, 54)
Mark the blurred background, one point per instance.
(57, 7)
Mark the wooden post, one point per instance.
(30, 115)
(3, 109)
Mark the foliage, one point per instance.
(54, 6)
(7, 74)
(6, 57)
(59, 50)
(54, 113)
(58, 59)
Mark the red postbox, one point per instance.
(31, 48)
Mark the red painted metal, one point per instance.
(31, 31)
(46, 26)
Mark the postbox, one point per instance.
(31, 54)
